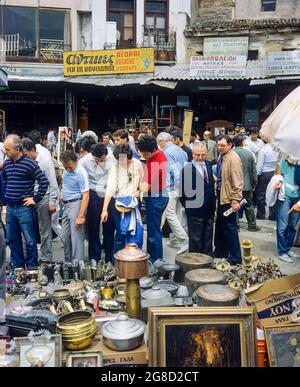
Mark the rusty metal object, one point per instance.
(196, 278)
(191, 261)
(216, 295)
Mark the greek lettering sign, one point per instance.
(226, 46)
(284, 63)
(136, 60)
(218, 66)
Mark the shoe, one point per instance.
(285, 258)
(183, 249)
(292, 254)
(260, 218)
(256, 228)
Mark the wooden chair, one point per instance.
(212, 125)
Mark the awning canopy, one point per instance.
(3, 80)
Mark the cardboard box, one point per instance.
(277, 301)
(135, 358)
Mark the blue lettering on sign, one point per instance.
(282, 309)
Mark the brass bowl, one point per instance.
(61, 295)
(78, 329)
(77, 347)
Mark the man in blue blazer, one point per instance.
(197, 196)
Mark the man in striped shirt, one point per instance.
(2, 251)
(19, 176)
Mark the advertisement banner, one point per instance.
(218, 66)
(135, 60)
(284, 63)
(226, 46)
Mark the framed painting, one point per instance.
(39, 354)
(283, 344)
(84, 359)
(202, 337)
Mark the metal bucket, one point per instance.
(216, 295)
(191, 261)
(196, 278)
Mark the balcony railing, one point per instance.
(164, 45)
(13, 47)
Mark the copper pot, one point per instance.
(131, 262)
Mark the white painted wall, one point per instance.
(99, 24)
(179, 11)
(140, 11)
(175, 7)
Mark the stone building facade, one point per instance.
(267, 31)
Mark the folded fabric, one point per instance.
(131, 222)
(272, 195)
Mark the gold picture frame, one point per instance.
(84, 359)
(283, 345)
(202, 337)
(50, 352)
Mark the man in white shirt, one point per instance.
(98, 164)
(51, 140)
(35, 136)
(253, 143)
(47, 206)
(266, 165)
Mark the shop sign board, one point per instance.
(107, 62)
(226, 45)
(218, 66)
(284, 63)
(22, 69)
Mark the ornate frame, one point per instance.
(234, 327)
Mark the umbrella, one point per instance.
(282, 127)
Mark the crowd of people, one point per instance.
(195, 189)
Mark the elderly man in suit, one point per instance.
(211, 147)
(197, 196)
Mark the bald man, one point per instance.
(211, 147)
(197, 196)
(19, 176)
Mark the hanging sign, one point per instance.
(218, 66)
(105, 62)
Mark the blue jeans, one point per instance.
(286, 224)
(20, 220)
(93, 214)
(227, 243)
(155, 207)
